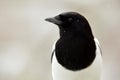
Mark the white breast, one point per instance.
(93, 72)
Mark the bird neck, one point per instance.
(64, 34)
(75, 51)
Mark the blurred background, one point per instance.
(26, 39)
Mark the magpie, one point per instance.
(76, 54)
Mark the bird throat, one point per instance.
(75, 52)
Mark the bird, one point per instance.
(77, 54)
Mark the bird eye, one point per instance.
(70, 19)
(78, 20)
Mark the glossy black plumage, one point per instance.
(76, 54)
(75, 50)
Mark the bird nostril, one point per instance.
(57, 17)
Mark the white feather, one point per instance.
(93, 72)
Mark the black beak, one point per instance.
(54, 20)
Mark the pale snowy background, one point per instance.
(26, 39)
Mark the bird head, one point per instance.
(71, 22)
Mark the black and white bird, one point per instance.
(76, 54)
